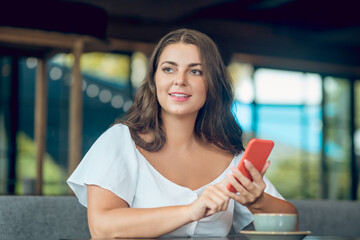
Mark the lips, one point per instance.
(179, 96)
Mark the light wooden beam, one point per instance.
(131, 46)
(40, 122)
(75, 117)
(48, 39)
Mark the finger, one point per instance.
(232, 179)
(219, 200)
(239, 176)
(221, 188)
(222, 185)
(237, 197)
(253, 171)
(244, 197)
(226, 204)
(221, 192)
(212, 207)
(265, 168)
(247, 191)
(219, 197)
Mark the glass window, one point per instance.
(337, 137)
(107, 95)
(241, 75)
(5, 80)
(138, 68)
(279, 87)
(284, 106)
(105, 66)
(357, 130)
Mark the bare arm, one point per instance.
(270, 204)
(110, 216)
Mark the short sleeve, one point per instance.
(111, 163)
(242, 215)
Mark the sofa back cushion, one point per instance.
(63, 217)
(331, 218)
(42, 217)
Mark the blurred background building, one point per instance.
(295, 66)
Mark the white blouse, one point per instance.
(115, 164)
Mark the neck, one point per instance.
(179, 131)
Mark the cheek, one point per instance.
(204, 89)
(161, 90)
(163, 86)
(157, 83)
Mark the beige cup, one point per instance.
(275, 222)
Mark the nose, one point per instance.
(181, 79)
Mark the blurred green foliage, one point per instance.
(107, 66)
(53, 175)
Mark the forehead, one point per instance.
(180, 53)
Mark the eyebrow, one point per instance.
(175, 64)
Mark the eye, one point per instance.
(196, 72)
(167, 70)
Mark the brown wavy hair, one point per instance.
(215, 122)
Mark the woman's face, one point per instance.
(180, 84)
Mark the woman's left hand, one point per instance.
(248, 193)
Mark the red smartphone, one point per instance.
(257, 152)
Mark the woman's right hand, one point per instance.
(212, 200)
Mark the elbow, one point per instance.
(101, 232)
(100, 226)
(99, 229)
(292, 209)
(296, 211)
(288, 207)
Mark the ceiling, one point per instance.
(330, 21)
(320, 31)
(269, 32)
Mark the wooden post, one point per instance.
(75, 116)
(40, 122)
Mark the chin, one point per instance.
(181, 113)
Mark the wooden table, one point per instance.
(241, 237)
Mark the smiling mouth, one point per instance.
(178, 95)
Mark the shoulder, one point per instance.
(113, 148)
(116, 138)
(110, 163)
(117, 128)
(116, 132)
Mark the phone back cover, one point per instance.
(257, 156)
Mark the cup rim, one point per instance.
(275, 214)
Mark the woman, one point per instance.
(162, 171)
